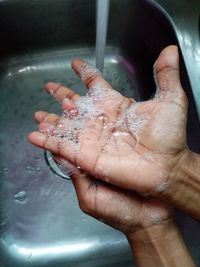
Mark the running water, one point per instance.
(101, 31)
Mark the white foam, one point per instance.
(135, 120)
(119, 133)
(87, 70)
(89, 109)
(162, 187)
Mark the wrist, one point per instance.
(160, 245)
(183, 185)
(150, 233)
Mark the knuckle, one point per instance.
(91, 79)
(86, 203)
(84, 206)
(47, 116)
(70, 95)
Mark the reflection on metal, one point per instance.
(54, 166)
(39, 213)
(61, 249)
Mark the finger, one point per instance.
(117, 207)
(54, 144)
(43, 141)
(90, 75)
(82, 183)
(43, 116)
(167, 75)
(69, 107)
(136, 179)
(87, 190)
(60, 92)
(52, 119)
(58, 159)
(66, 166)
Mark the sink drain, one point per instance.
(54, 166)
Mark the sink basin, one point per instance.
(41, 224)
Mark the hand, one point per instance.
(146, 222)
(119, 208)
(131, 145)
(122, 142)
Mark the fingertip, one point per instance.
(167, 73)
(37, 138)
(170, 48)
(77, 61)
(47, 86)
(39, 115)
(67, 104)
(169, 57)
(50, 87)
(90, 75)
(76, 64)
(45, 127)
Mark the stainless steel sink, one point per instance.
(41, 224)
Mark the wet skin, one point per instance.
(124, 158)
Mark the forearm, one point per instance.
(160, 245)
(183, 190)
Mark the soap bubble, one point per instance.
(162, 186)
(87, 112)
(87, 70)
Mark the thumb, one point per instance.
(167, 73)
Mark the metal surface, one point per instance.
(185, 17)
(41, 224)
(56, 168)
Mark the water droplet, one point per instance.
(38, 169)
(5, 170)
(127, 217)
(106, 179)
(37, 157)
(28, 168)
(51, 92)
(21, 197)
(162, 186)
(118, 133)
(30, 256)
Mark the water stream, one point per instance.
(102, 15)
(101, 31)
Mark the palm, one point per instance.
(125, 142)
(142, 142)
